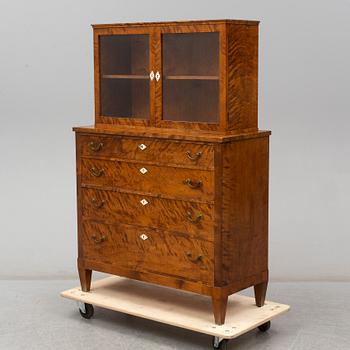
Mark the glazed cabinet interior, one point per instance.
(170, 77)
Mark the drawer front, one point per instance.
(148, 250)
(166, 214)
(174, 182)
(159, 151)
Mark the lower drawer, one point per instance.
(134, 209)
(147, 250)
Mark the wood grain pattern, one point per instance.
(176, 23)
(245, 209)
(219, 302)
(161, 253)
(218, 216)
(170, 153)
(225, 249)
(150, 277)
(260, 293)
(173, 134)
(85, 279)
(238, 75)
(111, 207)
(242, 93)
(157, 179)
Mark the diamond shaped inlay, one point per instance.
(143, 201)
(143, 236)
(142, 147)
(143, 170)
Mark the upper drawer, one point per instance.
(153, 150)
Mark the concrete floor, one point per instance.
(34, 316)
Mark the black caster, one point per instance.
(265, 326)
(86, 310)
(219, 343)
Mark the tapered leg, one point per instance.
(260, 293)
(219, 301)
(85, 279)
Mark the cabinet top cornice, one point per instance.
(199, 22)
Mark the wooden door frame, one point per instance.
(193, 28)
(99, 118)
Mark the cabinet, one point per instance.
(172, 179)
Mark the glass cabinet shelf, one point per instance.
(124, 76)
(191, 77)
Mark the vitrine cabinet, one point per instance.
(172, 178)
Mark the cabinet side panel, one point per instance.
(245, 210)
(78, 189)
(242, 93)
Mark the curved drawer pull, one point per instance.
(95, 146)
(194, 157)
(193, 184)
(97, 204)
(192, 259)
(97, 172)
(98, 240)
(195, 220)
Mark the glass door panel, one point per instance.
(124, 70)
(191, 77)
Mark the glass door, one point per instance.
(190, 77)
(124, 76)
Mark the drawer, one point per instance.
(148, 250)
(143, 149)
(166, 214)
(174, 182)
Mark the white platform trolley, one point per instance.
(177, 308)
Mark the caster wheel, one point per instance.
(89, 311)
(265, 327)
(219, 343)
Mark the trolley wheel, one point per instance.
(265, 326)
(219, 343)
(89, 311)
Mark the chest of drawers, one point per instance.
(182, 202)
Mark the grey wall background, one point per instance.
(46, 87)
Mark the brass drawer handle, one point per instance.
(98, 240)
(97, 204)
(192, 259)
(194, 157)
(95, 146)
(193, 184)
(97, 172)
(195, 220)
